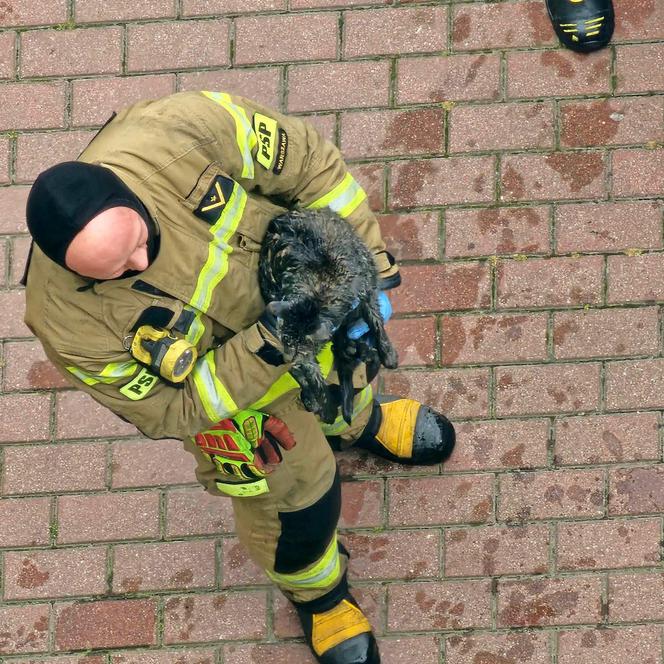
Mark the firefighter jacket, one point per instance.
(212, 171)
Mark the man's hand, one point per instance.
(360, 328)
(246, 445)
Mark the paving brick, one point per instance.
(635, 385)
(639, 19)
(4, 162)
(37, 152)
(95, 99)
(442, 181)
(411, 235)
(611, 646)
(442, 287)
(456, 392)
(533, 602)
(396, 554)
(414, 339)
(512, 126)
(79, 416)
(640, 68)
(361, 504)
(71, 52)
(177, 45)
(547, 388)
(553, 176)
(638, 172)
(325, 125)
(499, 444)
(96, 11)
(372, 179)
(519, 24)
(637, 491)
(635, 597)
(19, 247)
(496, 551)
(4, 261)
(179, 656)
(356, 463)
(635, 278)
(55, 573)
(492, 231)
(512, 648)
(108, 516)
(550, 282)
(504, 338)
(106, 624)
(262, 84)
(16, 428)
(278, 652)
(608, 544)
(608, 226)
(13, 326)
(325, 86)
(286, 38)
(448, 78)
(64, 659)
(606, 438)
(228, 615)
(606, 332)
(431, 606)
(133, 463)
(54, 468)
(237, 568)
(440, 500)
(24, 629)
(12, 206)
(395, 31)
(163, 566)
(25, 521)
(551, 495)
(24, 12)
(614, 121)
(7, 55)
(216, 7)
(26, 367)
(308, 4)
(559, 73)
(421, 649)
(195, 512)
(366, 134)
(24, 113)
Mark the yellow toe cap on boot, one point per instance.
(397, 428)
(339, 624)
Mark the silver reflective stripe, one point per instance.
(216, 400)
(111, 373)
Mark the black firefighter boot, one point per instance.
(336, 629)
(406, 431)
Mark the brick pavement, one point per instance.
(521, 186)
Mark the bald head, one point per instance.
(110, 244)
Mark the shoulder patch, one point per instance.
(139, 387)
(272, 143)
(215, 199)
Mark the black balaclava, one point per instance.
(66, 197)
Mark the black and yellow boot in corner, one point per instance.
(406, 431)
(336, 629)
(582, 25)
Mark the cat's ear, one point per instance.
(279, 307)
(324, 332)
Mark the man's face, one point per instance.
(112, 243)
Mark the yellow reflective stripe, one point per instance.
(216, 265)
(322, 574)
(243, 489)
(244, 134)
(286, 383)
(214, 396)
(111, 373)
(343, 199)
(362, 400)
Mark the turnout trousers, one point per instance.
(291, 531)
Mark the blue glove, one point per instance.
(360, 327)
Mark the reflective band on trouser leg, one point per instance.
(339, 426)
(244, 134)
(343, 199)
(109, 374)
(214, 396)
(319, 575)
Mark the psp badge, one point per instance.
(272, 143)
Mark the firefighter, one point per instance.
(142, 287)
